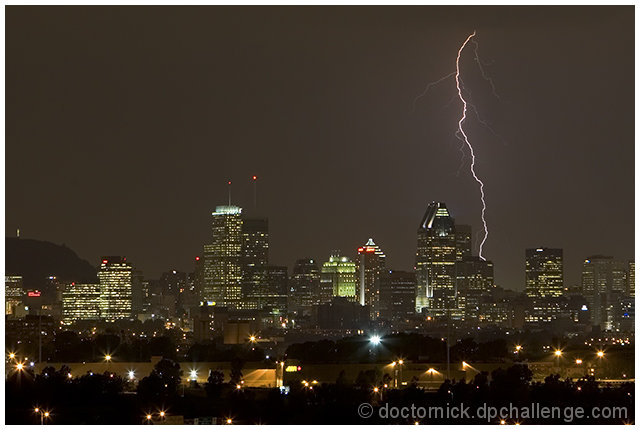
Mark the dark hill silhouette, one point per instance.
(35, 260)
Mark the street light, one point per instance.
(19, 367)
(229, 420)
(578, 361)
(132, 375)
(600, 354)
(12, 355)
(558, 353)
(107, 357)
(43, 414)
(375, 340)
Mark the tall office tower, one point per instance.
(174, 287)
(338, 279)
(13, 293)
(255, 255)
(137, 292)
(198, 273)
(80, 302)
(223, 259)
(474, 279)
(604, 282)
(115, 288)
(463, 241)
(304, 286)
(544, 272)
(631, 279)
(543, 283)
(270, 293)
(397, 295)
(435, 263)
(369, 264)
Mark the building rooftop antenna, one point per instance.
(255, 192)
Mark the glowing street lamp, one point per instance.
(375, 340)
(229, 421)
(12, 355)
(19, 367)
(518, 348)
(252, 339)
(558, 353)
(578, 361)
(107, 357)
(600, 354)
(132, 375)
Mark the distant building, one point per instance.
(13, 293)
(474, 279)
(397, 295)
(304, 286)
(604, 285)
(369, 264)
(81, 302)
(342, 314)
(435, 263)
(270, 292)
(139, 296)
(223, 258)
(632, 279)
(338, 279)
(544, 272)
(255, 257)
(463, 241)
(115, 288)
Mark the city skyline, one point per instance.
(330, 149)
(294, 215)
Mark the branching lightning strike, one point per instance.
(466, 140)
(460, 134)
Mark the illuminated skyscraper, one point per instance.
(474, 279)
(80, 302)
(544, 283)
(13, 293)
(632, 279)
(435, 263)
(270, 293)
(223, 258)
(338, 279)
(397, 295)
(370, 262)
(544, 272)
(604, 283)
(115, 288)
(304, 286)
(255, 257)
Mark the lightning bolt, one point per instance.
(460, 134)
(468, 143)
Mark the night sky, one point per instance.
(123, 126)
